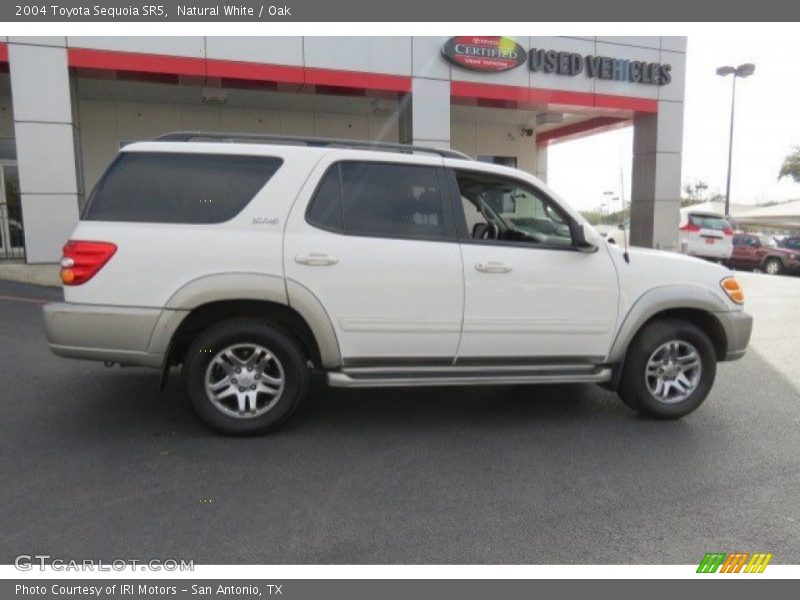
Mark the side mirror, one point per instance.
(586, 237)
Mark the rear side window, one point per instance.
(380, 199)
(156, 187)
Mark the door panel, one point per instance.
(529, 294)
(387, 297)
(549, 303)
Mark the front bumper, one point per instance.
(123, 334)
(737, 325)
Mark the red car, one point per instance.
(762, 252)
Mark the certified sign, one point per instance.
(484, 53)
(492, 54)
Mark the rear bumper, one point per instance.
(738, 326)
(123, 334)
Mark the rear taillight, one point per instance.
(82, 260)
(690, 228)
(727, 231)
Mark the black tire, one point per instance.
(775, 264)
(288, 356)
(633, 388)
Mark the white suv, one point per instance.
(705, 235)
(253, 260)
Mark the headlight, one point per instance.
(732, 289)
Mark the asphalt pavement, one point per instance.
(96, 463)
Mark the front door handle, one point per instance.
(493, 266)
(316, 259)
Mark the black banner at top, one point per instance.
(408, 10)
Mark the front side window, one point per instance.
(379, 199)
(171, 187)
(502, 209)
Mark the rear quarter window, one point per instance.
(161, 187)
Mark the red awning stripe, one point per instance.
(186, 65)
(523, 95)
(176, 65)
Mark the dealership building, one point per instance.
(68, 104)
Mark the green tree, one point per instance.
(791, 166)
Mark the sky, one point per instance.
(767, 126)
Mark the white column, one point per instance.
(541, 162)
(425, 113)
(46, 134)
(656, 185)
(657, 146)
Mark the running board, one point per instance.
(493, 375)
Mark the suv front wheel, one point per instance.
(244, 376)
(669, 369)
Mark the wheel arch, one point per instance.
(213, 298)
(770, 257)
(691, 303)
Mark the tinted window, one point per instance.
(793, 243)
(326, 206)
(708, 222)
(391, 200)
(178, 188)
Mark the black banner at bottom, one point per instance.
(404, 589)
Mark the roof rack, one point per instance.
(290, 140)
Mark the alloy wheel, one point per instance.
(673, 371)
(244, 380)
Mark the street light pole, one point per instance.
(730, 153)
(744, 70)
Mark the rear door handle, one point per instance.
(493, 266)
(316, 259)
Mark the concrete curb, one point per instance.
(46, 274)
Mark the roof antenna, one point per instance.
(625, 234)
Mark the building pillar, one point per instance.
(46, 134)
(425, 113)
(541, 163)
(656, 185)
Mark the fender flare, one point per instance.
(269, 288)
(658, 300)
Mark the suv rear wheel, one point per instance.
(244, 376)
(669, 369)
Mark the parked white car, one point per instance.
(252, 261)
(705, 235)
